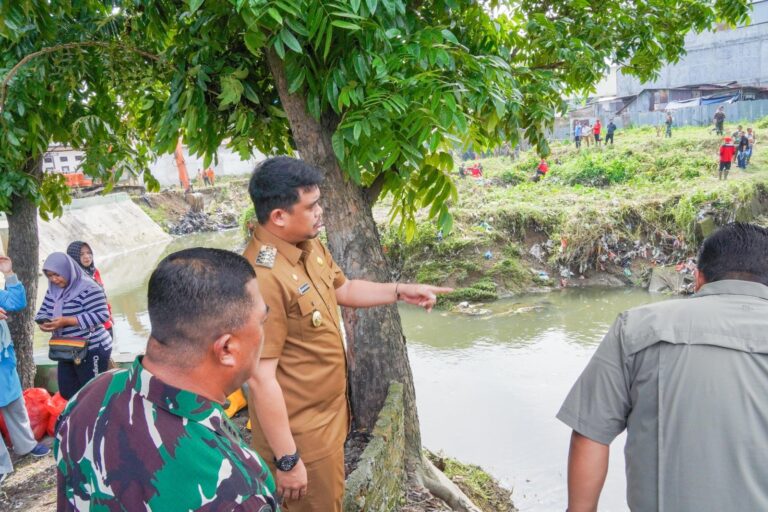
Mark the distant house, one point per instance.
(62, 159)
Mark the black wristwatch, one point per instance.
(287, 462)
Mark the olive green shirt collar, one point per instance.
(734, 287)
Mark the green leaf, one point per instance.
(231, 91)
(279, 48)
(297, 82)
(448, 36)
(12, 139)
(346, 25)
(290, 40)
(255, 42)
(328, 36)
(355, 4)
(194, 5)
(337, 141)
(275, 15)
(372, 4)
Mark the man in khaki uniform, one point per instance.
(299, 409)
(686, 379)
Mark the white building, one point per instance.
(62, 159)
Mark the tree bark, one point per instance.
(376, 351)
(23, 249)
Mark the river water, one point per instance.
(488, 387)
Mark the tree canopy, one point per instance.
(67, 78)
(400, 83)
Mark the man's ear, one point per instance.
(699, 280)
(225, 348)
(277, 216)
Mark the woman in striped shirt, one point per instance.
(75, 307)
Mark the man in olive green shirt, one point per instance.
(687, 379)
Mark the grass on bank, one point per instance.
(476, 483)
(643, 188)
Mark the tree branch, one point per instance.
(374, 190)
(553, 65)
(65, 46)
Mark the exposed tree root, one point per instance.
(442, 487)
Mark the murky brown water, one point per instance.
(488, 388)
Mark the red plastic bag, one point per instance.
(55, 406)
(36, 401)
(4, 431)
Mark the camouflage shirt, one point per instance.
(128, 441)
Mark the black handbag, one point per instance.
(70, 350)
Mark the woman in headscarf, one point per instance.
(75, 307)
(82, 253)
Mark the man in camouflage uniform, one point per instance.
(156, 437)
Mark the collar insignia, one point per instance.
(266, 256)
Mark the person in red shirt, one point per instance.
(596, 130)
(541, 170)
(727, 151)
(82, 253)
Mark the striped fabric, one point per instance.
(90, 309)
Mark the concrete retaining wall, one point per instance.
(378, 483)
(111, 224)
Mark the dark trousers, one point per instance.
(577, 138)
(723, 171)
(609, 138)
(73, 376)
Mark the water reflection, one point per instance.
(488, 388)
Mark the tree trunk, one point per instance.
(376, 352)
(23, 249)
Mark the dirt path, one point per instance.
(32, 485)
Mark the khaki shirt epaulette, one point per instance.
(303, 330)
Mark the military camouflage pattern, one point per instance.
(128, 441)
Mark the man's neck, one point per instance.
(274, 231)
(196, 380)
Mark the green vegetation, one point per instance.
(476, 483)
(645, 189)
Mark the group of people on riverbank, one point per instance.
(158, 433)
(156, 437)
(584, 133)
(76, 313)
(738, 148)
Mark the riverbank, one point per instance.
(603, 216)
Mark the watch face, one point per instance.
(286, 463)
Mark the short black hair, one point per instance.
(196, 295)
(735, 251)
(275, 184)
